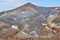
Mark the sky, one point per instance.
(11, 4)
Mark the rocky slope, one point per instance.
(28, 21)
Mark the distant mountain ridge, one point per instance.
(44, 9)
